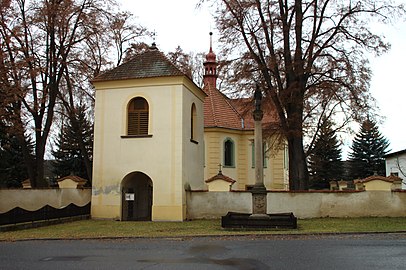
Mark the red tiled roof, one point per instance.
(221, 111)
(149, 64)
(74, 178)
(218, 111)
(220, 176)
(389, 179)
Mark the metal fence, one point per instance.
(19, 215)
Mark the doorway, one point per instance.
(136, 194)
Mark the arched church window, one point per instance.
(229, 153)
(193, 119)
(138, 114)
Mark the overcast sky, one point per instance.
(179, 23)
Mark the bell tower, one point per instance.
(210, 67)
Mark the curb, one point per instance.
(188, 237)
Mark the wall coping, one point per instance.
(296, 191)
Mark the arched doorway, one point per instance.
(136, 197)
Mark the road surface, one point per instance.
(377, 251)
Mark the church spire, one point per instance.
(210, 67)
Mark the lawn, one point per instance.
(111, 229)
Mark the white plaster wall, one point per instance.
(216, 204)
(397, 164)
(193, 153)
(34, 199)
(159, 156)
(219, 185)
(168, 157)
(302, 204)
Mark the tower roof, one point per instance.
(221, 111)
(149, 64)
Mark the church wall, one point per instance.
(193, 154)
(278, 169)
(243, 169)
(275, 173)
(214, 141)
(160, 157)
(212, 154)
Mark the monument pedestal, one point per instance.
(235, 220)
(259, 202)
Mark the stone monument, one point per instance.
(259, 190)
(259, 218)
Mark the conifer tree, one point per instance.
(68, 157)
(325, 159)
(12, 167)
(368, 149)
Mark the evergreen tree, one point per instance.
(13, 169)
(68, 157)
(368, 150)
(325, 159)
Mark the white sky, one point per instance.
(178, 22)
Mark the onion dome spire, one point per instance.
(210, 67)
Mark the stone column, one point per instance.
(258, 191)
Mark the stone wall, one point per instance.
(202, 204)
(34, 199)
(302, 204)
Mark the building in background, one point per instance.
(395, 164)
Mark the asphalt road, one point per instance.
(380, 251)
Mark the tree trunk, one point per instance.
(298, 173)
(39, 162)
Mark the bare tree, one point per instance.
(309, 58)
(189, 63)
(125, 32)
(50, 49)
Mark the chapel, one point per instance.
(158, 136)
(229, 139)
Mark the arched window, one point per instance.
(193, 116)
(138, 114)
(228, 153)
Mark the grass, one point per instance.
(105, 228)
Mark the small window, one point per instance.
(193, 117)
(138, 114)
(228, 153)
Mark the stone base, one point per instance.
(258, 221)
(259, 216)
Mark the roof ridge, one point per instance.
(148, 64)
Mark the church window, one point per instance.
(138, 114)
(193, 119)
(229, 153)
